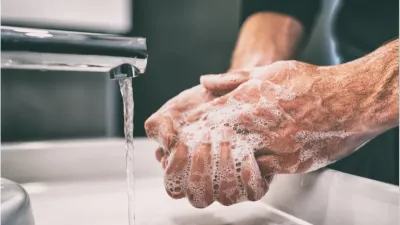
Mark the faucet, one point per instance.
(41, 49)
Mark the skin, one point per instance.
(352, 112)
(264, 38)
(289, 117)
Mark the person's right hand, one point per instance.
(199, 172)
(185, 173)
(164, 124)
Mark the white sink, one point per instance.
(105, 203)
(83, 182)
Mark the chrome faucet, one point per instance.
(40, 49)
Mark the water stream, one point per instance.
(127, 97)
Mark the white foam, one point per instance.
(221, 119)
(218, 122)
(312, 153)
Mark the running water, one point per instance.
(127, 97)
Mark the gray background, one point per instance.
(185, 39)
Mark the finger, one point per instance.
(290, 162)
(247, 92)
(305, 166)
(256, 124)
(227, 187)
(268, 165)
(253, 181)
(200, 111)
(151, 126)
(268, 179)
(200, 190)
(164, 162)
(197, 113)
(176, 171)
(224, 83)
(159, 154)
(161, 129)
(269, 72)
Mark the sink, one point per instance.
(105, 203)
(83, 182)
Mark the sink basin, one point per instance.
(105, 203)
(83, 182)
(15, 204)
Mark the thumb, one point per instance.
(224, 83)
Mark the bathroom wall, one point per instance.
(109, 15)
(186, 39)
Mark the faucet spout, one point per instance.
(26, 48)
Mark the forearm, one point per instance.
(266, 37)
(374, 87)
(384, 99)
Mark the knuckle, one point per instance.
(150, 125)
(169, 140)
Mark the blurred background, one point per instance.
(185, 40)
(78, 180)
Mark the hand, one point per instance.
(282, 120)
(289, 117)
(165, 124)
(223, 83)
(298, 117)
(179, 160)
